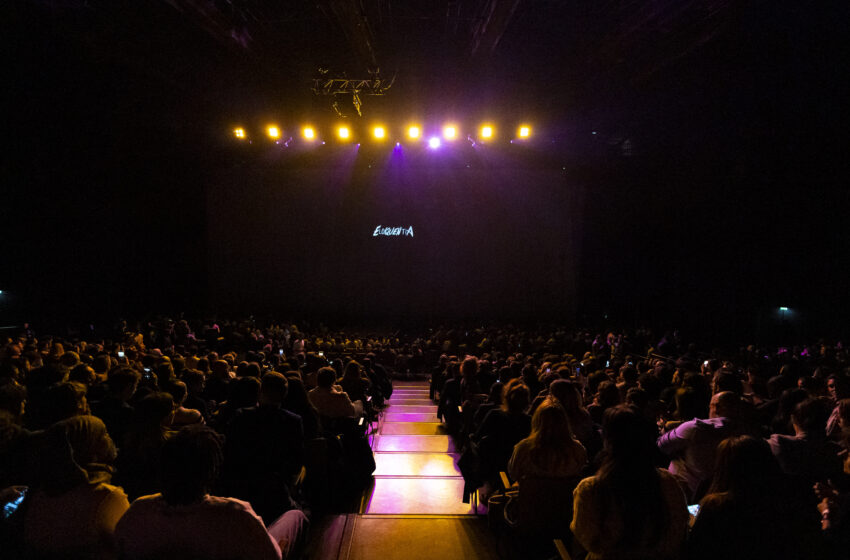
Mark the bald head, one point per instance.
(724, 405)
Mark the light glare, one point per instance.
(309, 133)
(343, 132)
(273, 131)
(486, 131)
(450, 132)
(413, 132)
(524, 131)
(434, 143)
(379, 132)
(239, 133)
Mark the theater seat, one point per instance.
(538, 511)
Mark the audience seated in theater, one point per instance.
(330, 400)
(808, 454)
(671, 392)
(185, 521)
(195, 381)
(834, 507)
(74, 511)
(502, 429)
(354, 382)
(138, 455)
(114, 409)
(841, 420)
(692, 445)
(471, 392)
(686, 408)
(298, 402)
(568, 394)
(217, 382)
(630, 509)
(16, 442)
(451, 398)
(785, 405)
(382, 387)
(529, 377)
(551, 449)
(494, 400)
(182, 416)
(752, 511)
(838, 387)
(63, 400)
(626, 379)
(607, 396)
(244, 392)
(264, 451)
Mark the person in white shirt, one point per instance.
(185, 521)
(330, 400)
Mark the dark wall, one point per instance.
(491, 238)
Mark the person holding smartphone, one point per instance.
(753, 510)
(75, 509)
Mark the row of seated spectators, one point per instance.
(194, 402)
(120, 449)
(762, 449)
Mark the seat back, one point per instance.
(544, 506)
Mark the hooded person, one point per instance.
(74, 511)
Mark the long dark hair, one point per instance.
(628, 477)
(746, 469)
(551, 436)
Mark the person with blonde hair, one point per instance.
(551, 449)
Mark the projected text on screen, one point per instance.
(393, 231)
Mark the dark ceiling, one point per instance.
(555, 57)
(625, 68)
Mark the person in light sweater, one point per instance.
(185, 521)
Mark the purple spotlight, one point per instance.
(434, 143)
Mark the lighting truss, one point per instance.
(338, 86)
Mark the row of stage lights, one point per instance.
(449, 133)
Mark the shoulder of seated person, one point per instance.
(144, 503)
(586, 484)
(100, 489)
(228, 503)
(715, 501)
(667, 476)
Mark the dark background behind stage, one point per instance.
(701, 148)
(491, 239)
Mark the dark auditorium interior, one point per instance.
(414, 279)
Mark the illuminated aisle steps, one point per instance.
(414, 511)
(416, 461)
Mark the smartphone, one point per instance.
(608, 364)
(280, 351)
(693, 510)
(11, 507)
(321, 354)
(121, 354)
